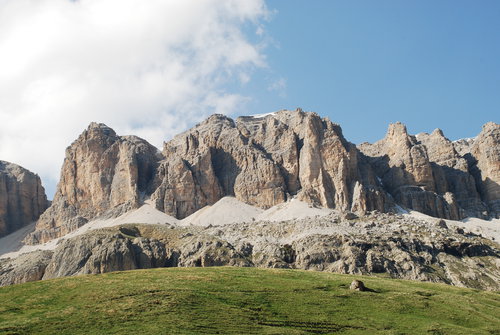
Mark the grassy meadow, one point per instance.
(226, 300)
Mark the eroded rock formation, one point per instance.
(485, 154)
(265, 160)
(22, 197)
(433, 175)
(103, 173)
(25, 268)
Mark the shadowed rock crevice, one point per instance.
(226, 170)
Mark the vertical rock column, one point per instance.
(22, 197)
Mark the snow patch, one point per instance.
(259, 116)
(466, 139)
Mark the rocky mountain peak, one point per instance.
(433, 175)
(218, 119)
(437, 133)
(396, 129)
(397, 137)
(98, 130)
(99, 126)
(102, 174)
(490, 127)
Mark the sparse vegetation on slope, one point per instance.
(243, 301)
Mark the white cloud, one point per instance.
(278, 86)
(150, 68)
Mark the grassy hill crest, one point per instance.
(227, 300)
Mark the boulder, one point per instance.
(357, 285)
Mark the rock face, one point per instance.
(485, 154)
(430, 174)
(102, 174)
(25, 268)
(264, 161)
(451, 174)
(98, 253)
(22, 197)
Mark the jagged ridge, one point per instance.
(264, 161)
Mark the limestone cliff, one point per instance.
(451, 173)
(103, 173)
(263, 161)
(213, 160)
(22, 197)
(485, 154)
(433, 175)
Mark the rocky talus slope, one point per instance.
(22, 197)
(385, 244)
(265, 160)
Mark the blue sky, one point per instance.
(156, 68)
(364, 64)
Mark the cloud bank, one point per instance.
(149, 68)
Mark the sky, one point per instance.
(155, 68)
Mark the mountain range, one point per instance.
(263, 162)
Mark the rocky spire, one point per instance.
(102, 174)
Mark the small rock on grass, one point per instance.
(357, 285)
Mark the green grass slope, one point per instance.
(243, 301)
